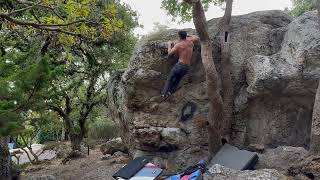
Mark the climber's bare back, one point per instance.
(184, 48)
(184, 51)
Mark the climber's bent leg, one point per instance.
(183, 69)
(169, 82)
(176, 74)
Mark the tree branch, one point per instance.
(34, 15)
(35, 87)
(22, 9)
(228, 11)
(200, 21)
(41, 26)
(191, 1)
(57, 109)
(45, 46)
(68, 104)
(41, 5)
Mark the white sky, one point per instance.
(150, 11)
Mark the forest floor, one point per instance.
(90, 167)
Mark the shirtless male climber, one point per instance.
(183, 48)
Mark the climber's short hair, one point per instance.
(182, 34)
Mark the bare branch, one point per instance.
(41, 5)
(34, 15)
(39, 26)
(68, 108)
(29, 98)
(57, 109)
(191, 1)
(20, 10)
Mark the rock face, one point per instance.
(275, 69)
(281, 158)
(218, 172)
(310, 167)
(42, 177)
(281, 87)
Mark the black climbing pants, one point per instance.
(176, 74)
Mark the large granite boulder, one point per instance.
(310, 167)
(279, 95)
(112, 146)
(275, 69)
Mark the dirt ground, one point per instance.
(91, 167)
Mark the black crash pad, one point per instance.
(132, 168)
(231, 157)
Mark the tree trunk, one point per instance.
(318, 8)
(315, 130)
(215, 116)
(226, 66)
(27, 145)
(76, 142)
(77, 138)
(5, 161)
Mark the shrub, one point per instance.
(103, 129)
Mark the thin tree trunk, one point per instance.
(76, 142)
(318, 8)
(315, 130)
(75, 138)
(5, 161)
(226, 77)
(29, 147)
(215, 115)
(28, 155)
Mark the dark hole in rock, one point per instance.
(226, 36)
(224, 141)
(310, 175)
(188, 111)
(167, 148)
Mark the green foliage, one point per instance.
(302, 6)
(103, 129)
(22, 78)
(181, 11)
(69, 21)
(50, 130)
(46, 135)
(40, 69)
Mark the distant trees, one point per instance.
(302, 6)
(55, 57)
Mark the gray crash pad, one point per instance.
(231, 157)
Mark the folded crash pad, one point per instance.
(148, 172)
(131, 168)
(231, 157)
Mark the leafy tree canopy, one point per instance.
(182, 11)
(70, 20)
(302, 6)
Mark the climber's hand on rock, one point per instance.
(171, 44)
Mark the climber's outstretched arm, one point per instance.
(172, 50)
